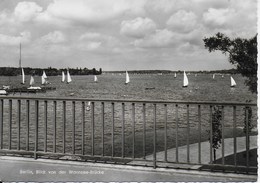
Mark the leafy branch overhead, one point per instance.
(241, 52)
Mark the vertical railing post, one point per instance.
(247, 140)
(83, 128)
(211, 133)
(235, 135)
(112, 130)
(64, 126)
(223, 136)
(176, 135)
(54, 124)
(188, 134)
(123, 130)
(165, 133)
(154, 138)
(133, 129)
(10, 124)
(36, 128)
(144, 131)
(1, 122)
(45, 125)
(18, 123)
(199, 144)
(73, 127)
(93, 129)
(103, 126)
(28, 125)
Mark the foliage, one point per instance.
(14, 71)
(242, 54)
(216, 127)
(248, 116)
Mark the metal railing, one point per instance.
(137, 132)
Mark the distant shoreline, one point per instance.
(229, 71)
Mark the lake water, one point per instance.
(111, 86)
(166, 87)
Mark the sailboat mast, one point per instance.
(20, 60)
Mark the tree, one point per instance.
(242, 54)
(216, 129)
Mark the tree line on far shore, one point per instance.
(14, 71)
(224, 71)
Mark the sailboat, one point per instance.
(3, 92)
(127, 79)
(68, 77)
(44, 78)
(233, 83)
(185, 80)
(44, 75)
(63, 77)
(88, 106)
(95, 78)
(175, 75)
(32, 82)
(23, 77)
(213, 76)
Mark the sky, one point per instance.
(121, 34)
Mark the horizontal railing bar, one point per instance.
(128, 100)
(116, 158)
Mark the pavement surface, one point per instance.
(205, 150)
(28, 169)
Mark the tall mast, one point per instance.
(20, 60)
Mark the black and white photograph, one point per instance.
(128, 91)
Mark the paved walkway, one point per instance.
(27, 169)
(205, 150)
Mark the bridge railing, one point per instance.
(137, 132)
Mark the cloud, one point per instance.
(53, 37)
(89, 46)
(8, 40)
(218, 17)
(93, 11)
(90, 35)
(120, 30)
(164, 6)
(26, 11)
(94, 40)
(161, 38)
(182, 21)
(138, 27)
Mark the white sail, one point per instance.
(127, 79)
(68, 77)
(88, 106)
(43, 80)
(44, 75)
(213, 76)
(23, 76)
(95, 78)
(175, 75)
(185, 80)
(233, 83)
(31, 81)
(63, 77)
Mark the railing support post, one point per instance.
(36, 128)
(154, 138)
